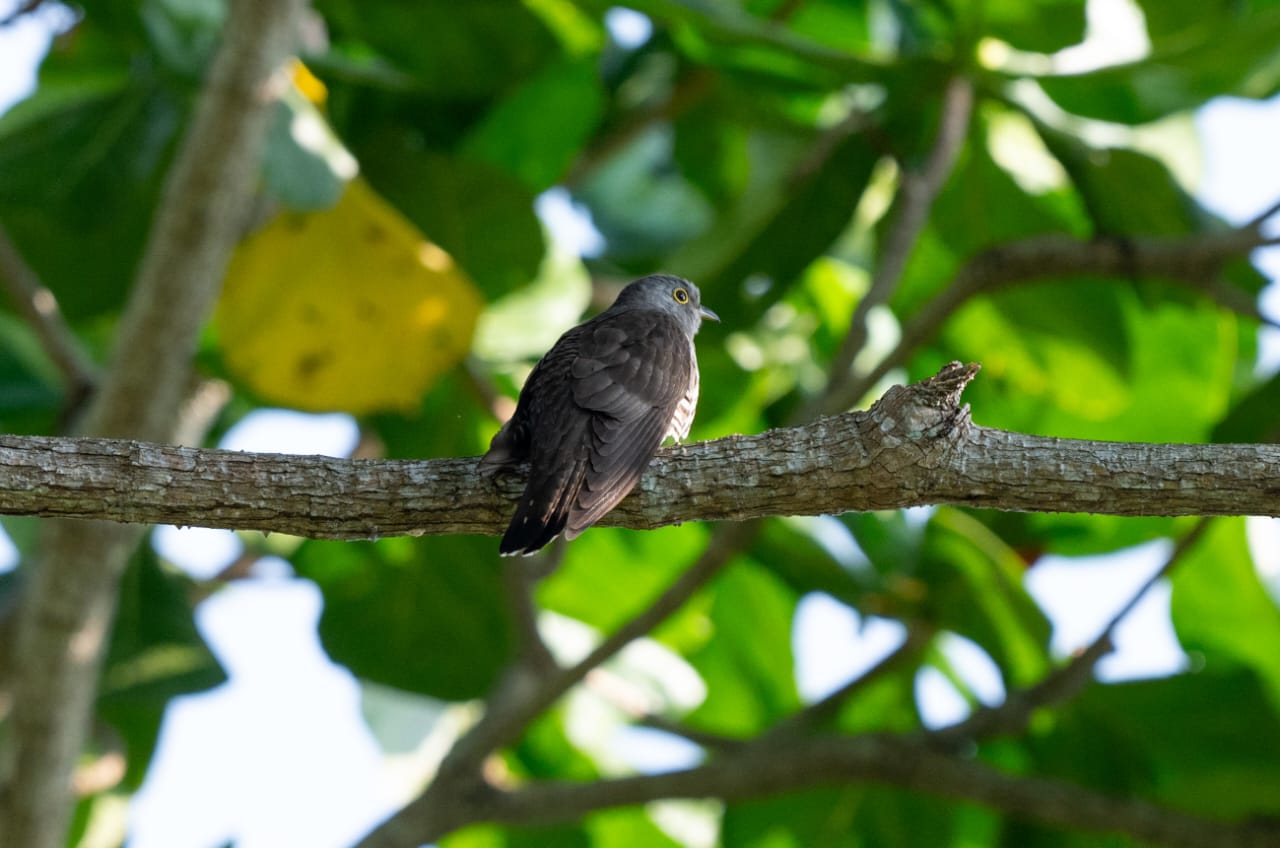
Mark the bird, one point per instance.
(597, 406)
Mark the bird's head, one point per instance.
(666, 293)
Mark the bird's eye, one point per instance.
(681, 295)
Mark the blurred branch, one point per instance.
(1192, 260)
(1063, 684)
(519, 579)
(915, 446)
(71, 594)
(39, 308)
(1260, 220)
(626, 697)
(813, 716)
(918, 190)
(26, 7)
(523, 694)
(757, 770)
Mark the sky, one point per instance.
(292, 751)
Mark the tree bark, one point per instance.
(70, 599)
(916, 446)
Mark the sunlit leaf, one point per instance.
(1221, 610)
(536, 131)
(747, 662)
(975, 589)
(1232, 55)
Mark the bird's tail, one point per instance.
(542, 512)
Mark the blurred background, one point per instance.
(449, 186)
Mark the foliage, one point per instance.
(758, 147)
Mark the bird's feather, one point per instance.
(591, 415)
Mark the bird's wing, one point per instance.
(630, 373)
(549, 430)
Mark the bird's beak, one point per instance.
(708, 314)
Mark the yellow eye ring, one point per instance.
(680, 295)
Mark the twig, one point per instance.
(624, 696)
(701, 738)
(26, 7)
(917, 193)
(39, 308)
(1258, 220)
(1064, 683)
(820, 712)
(519, 578)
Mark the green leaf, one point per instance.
(984, 205)
(305, 165)
(545, 752)
(1174, 387)
(834, 23)
(796, 820)
(453, 50)
(30, 397)
(1170, 21)
(424, 615)
(1253, 419)
(782, 223)
(183, 33)
(975, 589)
(86, 174)
(627, 567)
(627, 827)
(640, 205)
(722, 33)
(480, 216)
(799, 559)
(1124, 191)
(1208, 743)
(1061, 346)
(747, 662)
(1220, 609)
(850, 817)
(1045, 26)
(450, 422)
(156, 654)
(535, 132)
(1236, 55)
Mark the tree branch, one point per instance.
(71, 594)
(1190, 260)
(915, 446)
(813, 716)
(919, 189)
(39, 309)
(757, 770)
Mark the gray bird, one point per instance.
(597, 406)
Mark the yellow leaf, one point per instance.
(307, 83)
(345, 309)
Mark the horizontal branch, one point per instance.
(1192, 261)
(915, 446)
(760, 770)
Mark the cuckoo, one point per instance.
(597, 406)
